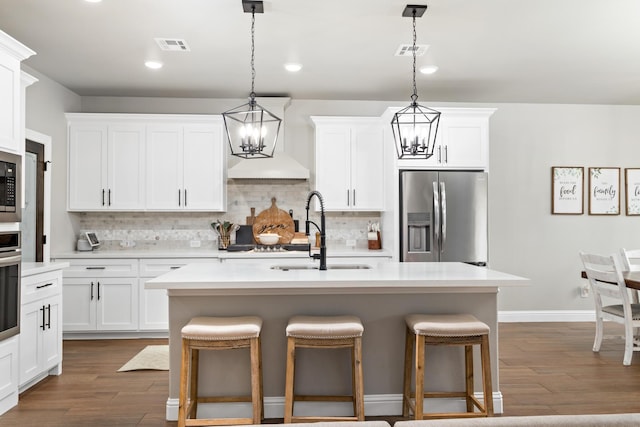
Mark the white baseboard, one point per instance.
(547, 316)
(374, 405)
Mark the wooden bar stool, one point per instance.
(218, 333)
(446, 329)
(325, 332)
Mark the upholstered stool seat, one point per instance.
(451, 330)
(325, 332)
(219, 333)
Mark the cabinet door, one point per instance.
(31, 321)
(203, 175)
(164, 186)
(87, 167)
(79, 310)
(464, 143)
(9, 103)
(51, 350)
(126, 153)
(154, 308)
(367, 168)
(333, 167)
(117, 304)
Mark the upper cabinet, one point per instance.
(106, 166)
(349, 155)
(12, 53)
(184, 167)
(462, 141)
(136, 162)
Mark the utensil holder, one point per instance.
(374, 241)
(224, 242)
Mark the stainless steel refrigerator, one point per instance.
(443, 216)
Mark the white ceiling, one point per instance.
(550, 51)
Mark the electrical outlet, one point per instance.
(194, 243)
(351, 243)
(584, 291)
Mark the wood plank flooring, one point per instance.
(545, 368)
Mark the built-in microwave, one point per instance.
(10, 187)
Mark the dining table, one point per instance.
(631, 278)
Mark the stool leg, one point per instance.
(255, 380)
(261, 379)
(289, 380)
(486, 375)
(419, 411)
(408, 360)
(358, 392)
(468, 370)
(193, 384)
(184, 376)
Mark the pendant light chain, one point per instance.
(253, 49)
(414, 97)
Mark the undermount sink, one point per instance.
(315, 267)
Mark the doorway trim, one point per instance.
(45, 140)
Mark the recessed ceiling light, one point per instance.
(429, 69)
(154, 65)
(93, 1)
(294, 68)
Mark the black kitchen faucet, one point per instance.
(322, 256)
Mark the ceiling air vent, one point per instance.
(407, 49)
(173, 45)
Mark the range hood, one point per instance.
(280, 166)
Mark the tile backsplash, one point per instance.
(177, 230)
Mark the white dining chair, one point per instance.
(606, 280)
(631, 262)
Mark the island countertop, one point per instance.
(384, 277)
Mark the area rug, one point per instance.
(155, 357)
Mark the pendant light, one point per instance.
(415, 127)
(252, 130)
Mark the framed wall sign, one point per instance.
(632, 191)
(604, 191)
(567, 190)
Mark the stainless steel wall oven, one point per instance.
(10, 187)
(10, 264)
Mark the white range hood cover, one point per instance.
(280, 166)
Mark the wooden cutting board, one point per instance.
(274, 220)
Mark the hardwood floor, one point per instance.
(545, 368)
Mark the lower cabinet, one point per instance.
(100, 304)
(40, 340)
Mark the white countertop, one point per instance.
(31, 268)
(209, 253)
(385, 277)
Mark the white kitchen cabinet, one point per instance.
(349, 154)
(100, 295)
(40, 327)
(154, 303)
(12, 53)
(186, 167)
(8, 373)
(106, 165)
(462, 141)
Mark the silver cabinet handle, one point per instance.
(354, 197)
(109, 197)
(178, 197)
(348, 197)
(439, 153)
(103, 197)
(446, 154)
(185, 197)
(95, 268)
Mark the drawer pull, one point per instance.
(174, 267)
(95, 268)
(44, 286)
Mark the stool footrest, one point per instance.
(223, 399)
(321, 419)
(322, 398)
(218, 421)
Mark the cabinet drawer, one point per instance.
(40, 286)
(101, 268)
(153, 267)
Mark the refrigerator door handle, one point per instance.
(443, 203)
(436, 215)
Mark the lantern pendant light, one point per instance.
(415, 127)
(252, 130)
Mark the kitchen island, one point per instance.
(381, 296)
